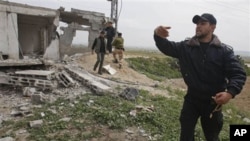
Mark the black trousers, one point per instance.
(109, 44)
(100, 59)
(193, 110)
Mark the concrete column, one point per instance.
(68, 35)
(92, 35)
(12, 36)
(3, 33)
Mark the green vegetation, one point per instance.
(247, 69)
(151, 53)
(157, 68)
(243, 63)
(87, 118)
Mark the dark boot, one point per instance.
(96, 65)
(100, 69)
(115, 61)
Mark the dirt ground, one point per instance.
(129, 75)
(242, 101)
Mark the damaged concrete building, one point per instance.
(31, 32)
(28, 37)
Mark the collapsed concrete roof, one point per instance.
(82, 17)
(13, 7)
(93, 22)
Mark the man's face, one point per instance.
(109, 24)
(204, 28)
(102, 34)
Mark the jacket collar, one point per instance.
(195, 42)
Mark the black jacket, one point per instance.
(205, 73)
(110, 32)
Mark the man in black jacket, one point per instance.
(110, 34)
(99, 46)
(211, 71)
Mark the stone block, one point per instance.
(36, 123)
(109, 69)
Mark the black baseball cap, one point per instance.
(205, 17)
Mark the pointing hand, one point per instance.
(162, 31)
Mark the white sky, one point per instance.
(138, 18)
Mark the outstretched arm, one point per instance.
(167, 47)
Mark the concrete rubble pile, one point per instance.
(65, 74)
(87, 79)
(33, 78)
(69, 76)
(30, 89)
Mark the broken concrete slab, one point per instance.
(33, 78)
(129, 93)
(87, 79)
(24, 62)
(109, 69)
(65, 79)
(39, 74)
(66, 119)
(7, 139)
(36, 123)
(4, 78)
(28, 91)
(16, 113)
(38, 98)
(32, 82)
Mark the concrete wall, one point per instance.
(67, 37)
(52, 52)
(3, 31)
(12, 32)
(9, 35)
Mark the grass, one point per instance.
(87, 118)
(155, 67)
(107, 110)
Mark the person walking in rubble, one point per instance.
(118, 44)
(110, 34)
(212, 72)
(99, 46)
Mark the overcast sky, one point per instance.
(138, 18)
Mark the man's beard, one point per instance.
(201, 36)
